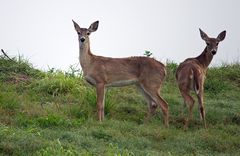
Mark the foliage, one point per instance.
(54, 113)
(147, 53)
(55, 84)
(17, 69)
(56, 149)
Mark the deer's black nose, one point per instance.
(82, 39)
(214, 52)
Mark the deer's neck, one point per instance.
(85, 55)
(205, 58)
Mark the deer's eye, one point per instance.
(78, 33)
(208, 44)
(217, 44)
(88, 33)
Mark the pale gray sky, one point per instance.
(42, 31)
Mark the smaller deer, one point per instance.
(191, 73)
(146, 73)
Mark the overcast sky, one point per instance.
(42, 31)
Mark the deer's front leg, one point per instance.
(100, 88)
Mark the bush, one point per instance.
(56, 83)
(9, 101)
(17, 67)
(57, 149)
(113, 149)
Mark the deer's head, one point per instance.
(83, 33)
(212, 43)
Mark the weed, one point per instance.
(56, 148)
(9, 101)
(113, 149)
(55, 84)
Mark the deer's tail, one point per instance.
(196, 84)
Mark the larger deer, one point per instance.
(191, 74)
(102, 72)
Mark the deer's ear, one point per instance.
(94, 26)
(204, 36)
(221, 36)
(76, 26)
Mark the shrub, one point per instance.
(113, 149)
(9, 101)
(57, 149)
(17, 68)
(55, 84)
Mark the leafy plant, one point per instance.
(56, 148)
(113, 149)
(147, 53)
(9, 101)
(55, 84)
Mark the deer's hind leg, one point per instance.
(201, 106)
(153, 92)
(152, 106)
(188, 101)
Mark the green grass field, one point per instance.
(54, 113)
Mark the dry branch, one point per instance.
(6, 55)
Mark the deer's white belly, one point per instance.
(121, 83)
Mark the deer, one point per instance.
(102, 72)
(191, 75)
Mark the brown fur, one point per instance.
(191, 74)
(146, 73)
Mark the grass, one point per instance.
(54, 113)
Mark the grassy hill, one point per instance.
(54, 113)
